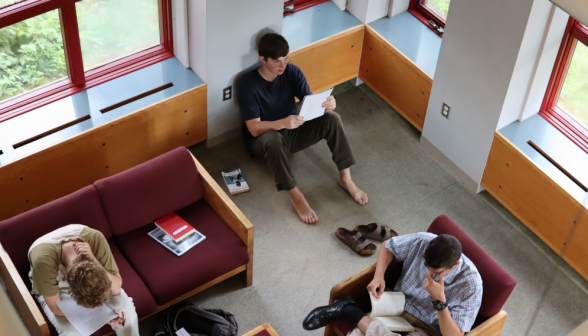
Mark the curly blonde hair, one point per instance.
(88, 283)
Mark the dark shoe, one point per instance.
(356, 241)
(376, 231)
(325, 315)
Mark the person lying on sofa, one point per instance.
(442, 288)
(75, 261)
(273, 129)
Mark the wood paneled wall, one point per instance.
(102, 151)
(395, 78)
(330, 61)
(537, 201)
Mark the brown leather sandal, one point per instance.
(356, 242)
(375, 231)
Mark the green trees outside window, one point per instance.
(573, 97)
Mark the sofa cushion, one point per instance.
(497, 282)
(18, 233)
(168, 276)
(133, 284)
(144, 193)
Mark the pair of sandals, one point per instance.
(358, 241)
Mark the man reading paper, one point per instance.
(272, 129)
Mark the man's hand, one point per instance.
(330, 104)
(377, 283)
(117, 322)
(293, 121)
(436, 288)
(84, 248)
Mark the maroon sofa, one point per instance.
(123, 207)
(498, 284)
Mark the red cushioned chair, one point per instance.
(497, 283)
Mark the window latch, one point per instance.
(439, 30)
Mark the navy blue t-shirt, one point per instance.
(270, 101)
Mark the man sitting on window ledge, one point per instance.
(272, 127)
(75, 261)
(442, 288)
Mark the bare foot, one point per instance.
(305, 212)
(357, 194)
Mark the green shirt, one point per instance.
(47, 269)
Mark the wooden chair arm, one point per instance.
(491, 327)
(354, 286)
(21, 297)
(225, 208)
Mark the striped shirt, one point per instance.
(463, 286)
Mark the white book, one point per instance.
(177, 248)
(85, 320)
(235, 181)
(387, 310)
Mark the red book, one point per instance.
(175, 226)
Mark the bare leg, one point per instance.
(364, 323)
(347, 183)
(305, 212)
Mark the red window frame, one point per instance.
(424, 14)
(302, 4)
(575, 31)
(78, 80)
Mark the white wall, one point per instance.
(233, 28)
(527, 60)
(180, 31)
(340, 3)
(197, 37)
(549, 49)
(368, 10)
(478, 55)
(398, 6)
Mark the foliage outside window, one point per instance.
(573, 97)
(440, 7)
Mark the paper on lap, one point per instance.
(387, 310)
(85, 320)
(311, 105)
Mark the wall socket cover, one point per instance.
(227, 93)
(445, 110)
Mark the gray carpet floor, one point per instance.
(295, 265)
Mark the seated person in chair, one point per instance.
(273, 128)
(442, 288)
(75, 261)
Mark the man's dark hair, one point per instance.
(443, 252)
(273, 45)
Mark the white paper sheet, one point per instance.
(311, 105)
(85, 320)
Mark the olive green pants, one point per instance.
(274, 146)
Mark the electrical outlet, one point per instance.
(227, 93)
(445, 110)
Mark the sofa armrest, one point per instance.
(228, 211)
(491, 327)
(355, 286)
(21, 297)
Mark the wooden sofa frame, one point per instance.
(214, 196)
(355, 286)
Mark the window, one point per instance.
(432, 13)
(52, 49)
(293, 6)
(565, 104)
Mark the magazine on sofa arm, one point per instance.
(177, 248)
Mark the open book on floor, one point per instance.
(235, 182)
(387, 311)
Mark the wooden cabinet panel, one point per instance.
(395, 78)
(532, 196)
(331, 61)
(576, 253)
(102, 151)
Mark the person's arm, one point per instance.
(115, 279)
(437, 291)
(257, 127)
(52, 304)
(385, 257)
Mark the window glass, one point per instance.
(113, 29)
(31, 54)
(573, 97)
(441, 7)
